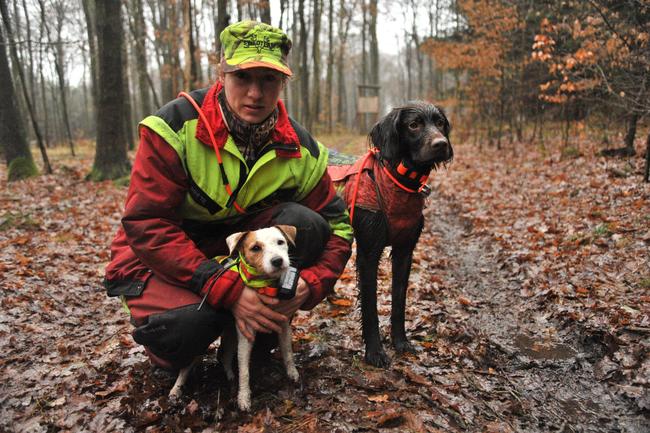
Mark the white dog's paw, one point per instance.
(176, 392)
(244, 402)
(292, 372)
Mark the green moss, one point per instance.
(571, 152)
(21, 168)
(112, 172)
(601, 230)
(18, 220)
(123, 181)
(645, 283)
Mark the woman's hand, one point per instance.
(289, 307)
(252, 314)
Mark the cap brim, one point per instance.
(256, 64)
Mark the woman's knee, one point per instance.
(313, 231)
(180, 334)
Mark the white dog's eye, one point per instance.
(256, 248)
(280, 241)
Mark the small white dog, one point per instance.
(264, 254)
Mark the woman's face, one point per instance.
(253, 93)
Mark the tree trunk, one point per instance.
(111, 160)
(13, 140)
(374, 52)
(330, 66)
(646, 176)
(59, 57)
(28, 102)
(316, 109)
(30, 52)
(89, 13)
(139, 36)
(631, 134)
(283, 7)
(222, 22)
(127, 109)
(190, 68)
(304, 69)
(264, 7)
(418, 53)
(345, 17)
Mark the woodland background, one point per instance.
(529, 300)
(507, 71)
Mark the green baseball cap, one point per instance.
(251, 44)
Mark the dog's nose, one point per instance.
(277, 262)
(441, 147)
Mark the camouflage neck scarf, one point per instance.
(250, 138)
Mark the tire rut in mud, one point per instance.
(547, 367)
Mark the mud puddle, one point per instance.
(535, 349)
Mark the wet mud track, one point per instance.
(554, 376)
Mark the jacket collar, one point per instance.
(283, 132)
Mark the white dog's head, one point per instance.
(267, 249)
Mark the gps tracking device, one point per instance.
(288, 283)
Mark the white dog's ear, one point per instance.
(289, 232)
(234, 240)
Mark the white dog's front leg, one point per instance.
(244, 348)
(287, 352)
(177, 390)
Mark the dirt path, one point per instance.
(553, 372)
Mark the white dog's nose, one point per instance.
(277, 262)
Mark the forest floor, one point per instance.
(529, 306)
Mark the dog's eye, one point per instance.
(414, 125)
(256, 248)
(281, 242)
(440, 124)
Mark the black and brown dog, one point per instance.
(385, 192)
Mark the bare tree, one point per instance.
(222, 20)
(138, 30)
(345, 18)
(315, 108)
(14, 56)
(264, 8)
(12, 130)
(59, 62)
(330, 66)
(306, 117)
(190, 69)
(111, 160)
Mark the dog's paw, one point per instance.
(244, 403)
(176, 392)
(403, 346)
(292, 372)
(378, 359)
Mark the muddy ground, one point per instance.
(497, 350)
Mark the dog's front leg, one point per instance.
(183, 374)
(287, 352)
(401, 262)
(244, 348)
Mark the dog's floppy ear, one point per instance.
(289, 232)
(385, 135)
(234, 240)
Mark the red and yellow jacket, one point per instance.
(177, 192)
